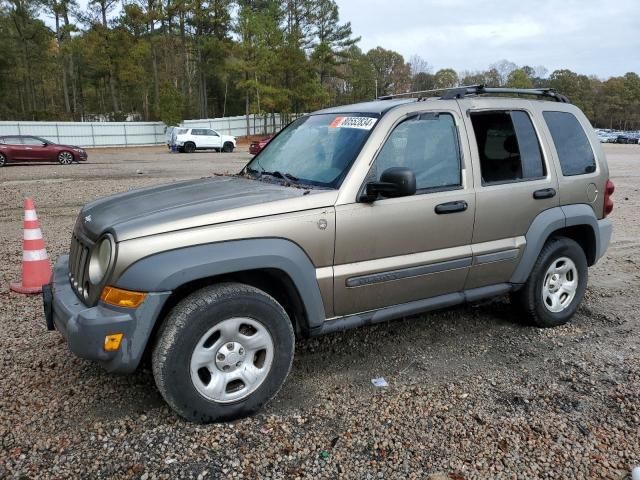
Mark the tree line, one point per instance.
(171, 60)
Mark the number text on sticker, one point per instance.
(364, 123)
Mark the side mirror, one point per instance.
(394, 182)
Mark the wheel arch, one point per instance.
(277, 266)
(577, 222)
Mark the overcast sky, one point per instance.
(590, 37)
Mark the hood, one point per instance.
(194, 203)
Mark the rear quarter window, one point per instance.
(573, 147)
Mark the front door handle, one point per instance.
(544, 193)
(451, 207)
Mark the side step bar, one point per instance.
(419, 306)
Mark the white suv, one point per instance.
(189, 140)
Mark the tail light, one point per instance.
(608, 202)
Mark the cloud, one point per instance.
(586, 36)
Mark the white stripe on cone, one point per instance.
(30, 215)
(34, 255)
(32, 234)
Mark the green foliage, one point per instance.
(446, 78)
(519, 78)
(170, 105)
(393, 75)
(176, 59)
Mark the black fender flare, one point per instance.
(169, 270)
(544, 225)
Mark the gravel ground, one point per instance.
(473, 392)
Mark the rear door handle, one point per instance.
(451, 207)
(544, 193)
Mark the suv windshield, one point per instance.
(315, 150)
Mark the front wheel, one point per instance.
(3, 160)
(227, 147)
(65, 158)
(223, 352)
(556, 285)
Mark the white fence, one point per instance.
(122, 134)
(237, 126)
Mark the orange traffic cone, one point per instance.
(36, 270)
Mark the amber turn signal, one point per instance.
(122, 298)
(112, 342)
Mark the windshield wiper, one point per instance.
(277, 174)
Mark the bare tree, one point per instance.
(419, 65)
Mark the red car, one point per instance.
(24, 148)
(257, 146)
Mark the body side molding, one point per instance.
(407, 272)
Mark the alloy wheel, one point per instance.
(65, 158)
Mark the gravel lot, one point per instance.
(473, 393)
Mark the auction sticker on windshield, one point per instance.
(363, 123)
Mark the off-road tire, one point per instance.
(530, 299)
(227, 147)
(189, 147)
(184, 327)
(3, 160)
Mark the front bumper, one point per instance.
(85, 328)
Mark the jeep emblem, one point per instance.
(322, 224)
(87, 219)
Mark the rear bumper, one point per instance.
(85, 328)
(605, 229)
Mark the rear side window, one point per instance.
(574, 151)
(508, 147)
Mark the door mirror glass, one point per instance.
(394, 182)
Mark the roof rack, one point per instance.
(461, 92)
(396, 95)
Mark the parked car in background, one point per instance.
(626, 139)
(188, 140)
(26, 148)
(257, 146)
(605, 137)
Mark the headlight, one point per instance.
(100, 260)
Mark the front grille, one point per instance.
(79, 266)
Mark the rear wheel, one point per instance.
(556, 285)
(189, 147)
(65, 158)
(3, 160)
(227, 147)
(223, 352)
